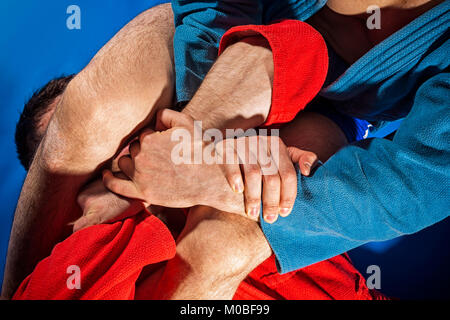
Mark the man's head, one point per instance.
(35, 117)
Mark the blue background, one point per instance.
(36, 46)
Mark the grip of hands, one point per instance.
(246, 172)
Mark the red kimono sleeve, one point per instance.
(109, 258)
(300, 59)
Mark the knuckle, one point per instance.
(289, 177)
(233, 170)
(270, 208)
(145, 137)
(272, 181)
(114, 185)
(253, 172)
(252, 201)
(310, 156)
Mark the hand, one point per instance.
(156, 177)
(100, 205)
(264, 169)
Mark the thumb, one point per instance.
(86, 221)
(167, 119)
(306, 160)
(123, 187)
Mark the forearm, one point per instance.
(204, 22)
(211, 265)
(237, 91)
(180, 282)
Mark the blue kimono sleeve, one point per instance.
(199, 26)
(372, 190)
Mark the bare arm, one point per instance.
(237, 91)
(90, 123)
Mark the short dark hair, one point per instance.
(27, 136)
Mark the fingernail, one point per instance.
(254, 212)
(271, 218)
(284, 211)
(308, 168)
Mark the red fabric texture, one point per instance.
(332, 279)
(112, 256)
(300, 59)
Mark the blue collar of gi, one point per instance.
(402, 49)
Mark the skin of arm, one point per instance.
(237, 91)
(90, 123)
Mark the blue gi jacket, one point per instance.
(373, 189)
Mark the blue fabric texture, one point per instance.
(199, 26)
(374, 189)
(378, 189)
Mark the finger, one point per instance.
(144, 133)
(295, 154)
(288, 177)
(271, 197)
(94, 217)
(308, 160)
(167, 119)
(252, 189)
(90, 219)
(228, 155)
(125, 188)
(270, 177)
(126, 165)
(135, 148)
(80, 224)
